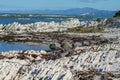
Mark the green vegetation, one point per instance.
(82, 29)
(117, 14)
(57, 31)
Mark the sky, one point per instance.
(59, 4)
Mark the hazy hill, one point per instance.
(74, 11)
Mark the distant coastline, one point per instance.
(68, 12)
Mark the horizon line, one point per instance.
(53, 9)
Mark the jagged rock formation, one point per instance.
(48, 26)
(113, 23)
(101, 60)
(58, 26)
(94, 56)
(42, 26)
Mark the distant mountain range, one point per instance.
(74, 11)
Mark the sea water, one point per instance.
(27, 20)
(7, 46)
(46, 18)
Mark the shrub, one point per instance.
(117, 14)
(81, 29)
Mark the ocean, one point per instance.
(7, 46)
(32, 18)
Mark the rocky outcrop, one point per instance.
(73, 56)
(42, 26)
(49, 26)
(59, 26)
(1, 27)
(83, 63)
(58, 39)
(113, 23)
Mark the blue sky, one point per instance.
(59, 4)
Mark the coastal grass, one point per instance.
(81, 29)
(58, 31)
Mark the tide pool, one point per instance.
(6, 46)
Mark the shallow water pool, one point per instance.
(6, 46)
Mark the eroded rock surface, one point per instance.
(84, 63)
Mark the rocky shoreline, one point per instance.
(83, 63)
(94, 56)
(73, 56)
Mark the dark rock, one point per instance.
(55, 46)
(67, 46)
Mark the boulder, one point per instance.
(55, 46)
(77, 44)
(67, 46)
(85, 43)
(43, 52)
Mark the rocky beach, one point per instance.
(73, 56)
